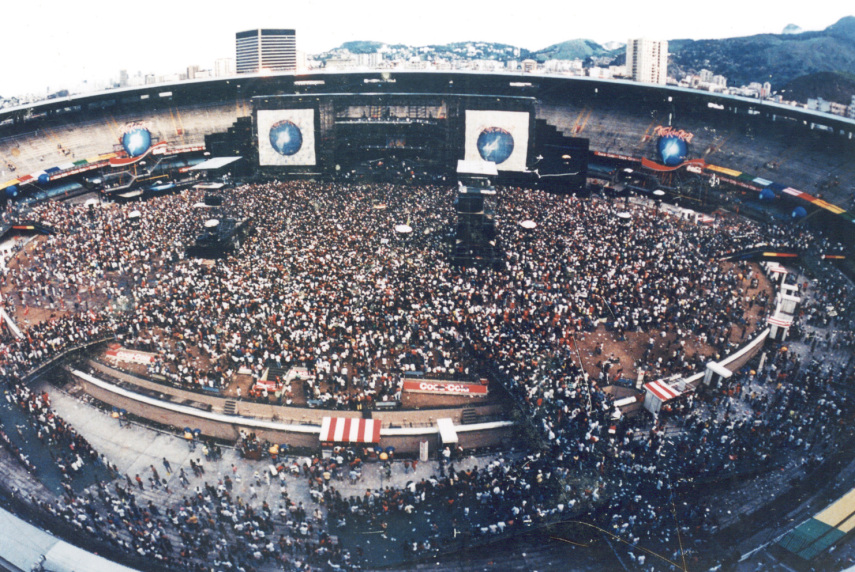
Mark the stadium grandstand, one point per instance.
(349, 321)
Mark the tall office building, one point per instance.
(265, 50)
(647, 60)
(224, 67)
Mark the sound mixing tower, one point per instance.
(475, 240)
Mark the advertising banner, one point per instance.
(131, 356)
(286, 137)
(444, 387)
(500, 137)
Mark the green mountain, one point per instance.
(480, 50)
(777, 58)
(805, 64)
(454, 50)
(362, 47)
(571, 50)
(830, 86)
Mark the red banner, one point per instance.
(268, 384)
(121, 161)
(130, 356)
(653, 166)
(444, 387)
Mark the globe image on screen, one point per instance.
(495, 144)
(285, 137)
(136, 141)
(673, 150)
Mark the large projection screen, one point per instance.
(497, 136)
(286, 137)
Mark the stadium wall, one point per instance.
(297, 426)
(811, 151)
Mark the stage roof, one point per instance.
(483, 168)
(214, 163)
(209, 186)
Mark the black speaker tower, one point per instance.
(561, 162)
(475, 239)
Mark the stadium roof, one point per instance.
(157, 91)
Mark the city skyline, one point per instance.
(67, 45)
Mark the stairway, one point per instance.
(468, 417)
(230, 408)
(273, 372)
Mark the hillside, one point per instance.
(571, 50)
(362, 47)
(823, 62)
(777, 58)
(829, 86)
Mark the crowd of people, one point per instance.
(325, 283)
(208, 528)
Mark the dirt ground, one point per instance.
(29, 315)
(624, 353)
(630, 351)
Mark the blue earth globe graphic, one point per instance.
(495, 144)
(285, 137)
(136, 141)
(673, 150)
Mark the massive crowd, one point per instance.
(323, 281)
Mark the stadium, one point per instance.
(343, 321)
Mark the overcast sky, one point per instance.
(55, 44)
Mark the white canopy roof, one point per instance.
(446, 431)
(483, 168)
(214, 163)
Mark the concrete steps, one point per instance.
(273, 372)
(468, 417)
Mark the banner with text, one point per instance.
(131, 356)
(444, 387)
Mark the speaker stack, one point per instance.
(475, 240)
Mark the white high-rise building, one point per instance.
(224, 67)
(647, 60)
(265, 50)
